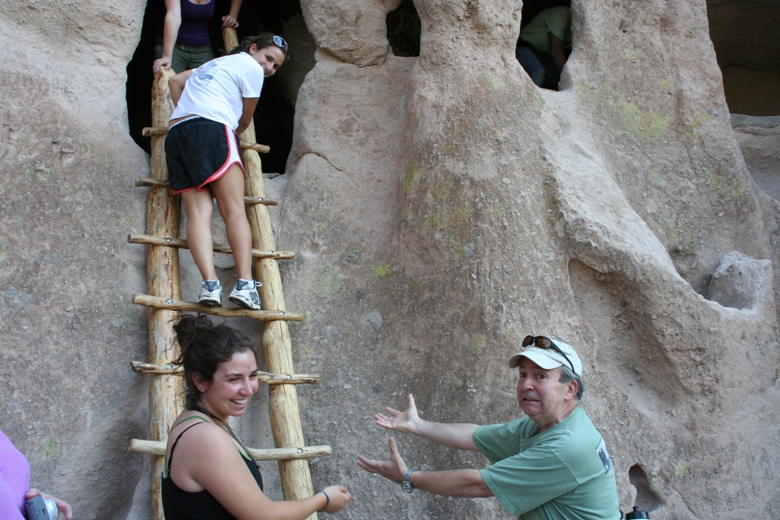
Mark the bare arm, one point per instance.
(171, 27)
(556, 51)
(231, 19)
(454, 483)
(453, 435)
(246, 114)
(176, 85)
(206, 457)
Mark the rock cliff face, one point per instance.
(442, 207)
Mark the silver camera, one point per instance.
(39, 508)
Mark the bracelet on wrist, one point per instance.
(327, 497)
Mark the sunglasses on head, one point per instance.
(545, 343)
(279, 42)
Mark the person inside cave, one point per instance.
(544, 46)
(183, 39)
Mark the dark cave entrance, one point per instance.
(404, 27)
(275, 109)
(747, 44)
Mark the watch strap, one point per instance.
(406, 484)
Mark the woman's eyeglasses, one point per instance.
(545, 343)
(279, 42)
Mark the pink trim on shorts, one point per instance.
(233, 157)
(179, 192)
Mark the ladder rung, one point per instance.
(156, 131)
(264, 377)
(259, 148)
(251, 201)
(152, 240)
(307, 452)
(177, 305)
(159, 368)
(149, 182)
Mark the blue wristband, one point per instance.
(327, 497)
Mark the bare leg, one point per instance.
(229, 192)
(199, 206)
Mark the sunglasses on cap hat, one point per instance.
(546, 343)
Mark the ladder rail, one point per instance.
(163, 281)
(283, 399)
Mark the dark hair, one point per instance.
(567, 374)
(204, 347)
(262, 41)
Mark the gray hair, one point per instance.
(567, 374)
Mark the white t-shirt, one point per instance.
(216, 90)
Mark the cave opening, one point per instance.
(747, 43)
(276, 107)
(404, 28)
(646, 499)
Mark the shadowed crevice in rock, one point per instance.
(759, 142)
(747, 43)
(646, 498)
(403, 29)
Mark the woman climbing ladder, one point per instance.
(214, 103)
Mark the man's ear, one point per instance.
(571, 390)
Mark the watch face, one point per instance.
(407, 486)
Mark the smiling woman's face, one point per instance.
(234, 383)
(270, 58)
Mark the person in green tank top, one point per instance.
(550, 464)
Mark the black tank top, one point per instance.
(201, 505)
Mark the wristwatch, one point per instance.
(406, 485)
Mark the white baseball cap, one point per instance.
(548, 354)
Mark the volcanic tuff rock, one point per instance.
(442, 207)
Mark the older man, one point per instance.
(550, 464)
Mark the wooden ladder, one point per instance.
(164, 304)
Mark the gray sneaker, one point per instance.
(210, 293)
(245, 294)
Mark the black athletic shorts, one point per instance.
(199, 151)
